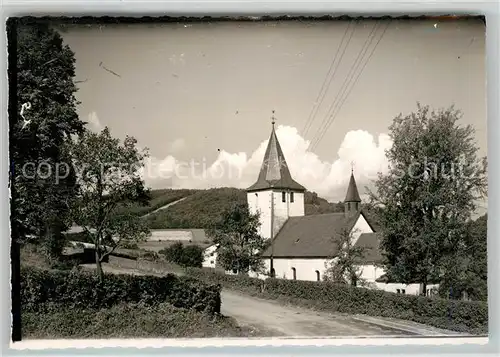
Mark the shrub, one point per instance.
(42, 290)
(128, 321)
(185, 256)
(463, 316)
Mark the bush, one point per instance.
(463, 316)
(185, 256)
(43, 289)
(128, 321)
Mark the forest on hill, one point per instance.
(201, 208)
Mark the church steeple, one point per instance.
(274, 172)
(352, 202)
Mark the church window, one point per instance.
(398, 291)
(318, 278)
(291, 196)
(294, 272)
(283, 196)
(403, 291)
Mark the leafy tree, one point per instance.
(239, 244)
(345, 267)
(429, 193)
(42, 186)
(466, 270)
(109, 180)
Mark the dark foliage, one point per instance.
(184, 255)
(239, 244)
(43, 178)
(465, 316)
(429, 194)
(45, 290)
(466, 271)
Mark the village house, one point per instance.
(301, 245)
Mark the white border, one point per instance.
(221, 8)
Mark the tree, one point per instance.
(466, 270)
(186, 256)
(239, 244)
(345, 267)
(109, 175)
(45, 91)
(429, 193)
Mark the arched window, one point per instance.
(318, 277)
(294, 273)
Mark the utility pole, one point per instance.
(272, 234)
(271, 263)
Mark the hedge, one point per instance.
(129, 321)
(44, 289)
(463, 316)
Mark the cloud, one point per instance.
(328, 178)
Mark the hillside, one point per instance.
(201, 208)
(160, 198)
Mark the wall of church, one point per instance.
(314, 269)
(359, 228)
(261, 202)
(370, 273)
(305, 269)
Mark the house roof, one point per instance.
(274, 172)
(313, 237)
(370, 244)
(352, 191)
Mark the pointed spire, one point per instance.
(274, 172)
(352, 190)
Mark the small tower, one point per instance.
(276, 195)
(352, 202)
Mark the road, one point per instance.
(275, 319)
(282, 320)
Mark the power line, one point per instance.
(345, 84)
(355, 81)
(323, 91)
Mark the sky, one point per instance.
(200, 96)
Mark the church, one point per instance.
(302, 246)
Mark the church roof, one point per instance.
(274, 172)
(313, 237)
(352, 191)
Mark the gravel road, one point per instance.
(281, 320)
(275, 319)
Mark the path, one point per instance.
(297, 321)
(165, 206)
(276, 319)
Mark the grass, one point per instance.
(130, 321)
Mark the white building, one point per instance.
(303, 245)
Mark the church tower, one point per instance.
(275, 195)
(352, 202)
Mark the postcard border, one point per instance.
(198, 8)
